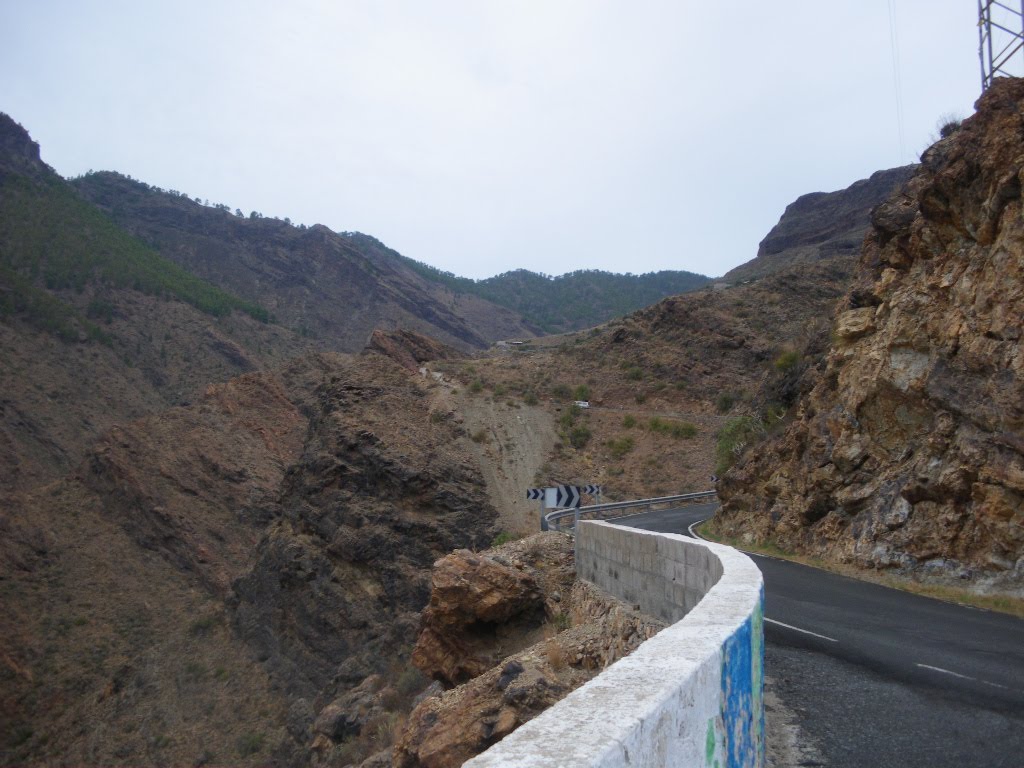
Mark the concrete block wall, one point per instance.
(664, 576)
(690, 696)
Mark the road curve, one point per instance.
(883, 677)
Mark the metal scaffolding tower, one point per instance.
(1001, 40)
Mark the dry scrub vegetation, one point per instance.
(675, 391)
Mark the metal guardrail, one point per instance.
(554, 520)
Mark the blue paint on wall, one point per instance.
(757, 682)
(742, 697)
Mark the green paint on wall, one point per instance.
(709, 744)
(757, 677)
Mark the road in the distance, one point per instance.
(881, 677)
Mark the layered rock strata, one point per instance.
(909, 450)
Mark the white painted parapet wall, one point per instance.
(690, 696)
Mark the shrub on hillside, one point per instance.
(734, 438)
(504, 538)
(579, 435)
(568, 418)
(620, 446)
(948, 124)
(676, 429)
(787, 361)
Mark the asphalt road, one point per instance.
(880, 677)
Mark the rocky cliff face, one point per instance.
(18, 153)
(377, 496)
(822, 225)
(909, 450)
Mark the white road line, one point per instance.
(696, 535)
(944, 671)
(957, 674)
(995, 685)
(797, 629)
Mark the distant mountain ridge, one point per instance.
(575, 300)
(336, 288)
(248, 255)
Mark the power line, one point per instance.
(897, 81)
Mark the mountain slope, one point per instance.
(334, 287)
(211, 579)
(907, 452)
(339, 287)
(95, 327)
(666, 382)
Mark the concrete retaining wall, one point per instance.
(691, 695)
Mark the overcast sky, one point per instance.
(482, 136)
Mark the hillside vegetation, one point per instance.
(334, 288)
(572, 301)
(52, 241)
(318, 280)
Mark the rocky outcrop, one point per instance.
(18, 153)
(822, 225)
(409, 349)
(909, 450)
(473, 598)
(517, 615)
